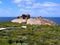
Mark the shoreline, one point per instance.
(55, 19)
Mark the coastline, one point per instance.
(7, 19)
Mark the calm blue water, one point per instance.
(6, 19)
(55, 19)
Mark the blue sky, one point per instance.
(44, 8)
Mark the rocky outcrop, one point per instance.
(33, 21)
(24, 16)
(18, 20)
(37, 21)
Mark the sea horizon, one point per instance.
(8, 19)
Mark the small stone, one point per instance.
(24, 26)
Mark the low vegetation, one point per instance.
(32, 35)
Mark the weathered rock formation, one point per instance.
(33, 21)
(18, 20)
(38, 20)
(24, 16)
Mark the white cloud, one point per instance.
(19, 5)
(28, 2)
(44, 4)
(49, 4)
(17, 1)
(43, 8)
(47, 8)
(24, 11)
(28, 7)
(0, 2)
(21, 1)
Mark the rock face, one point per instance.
(37, 21)
(18, 20)
(24, 16)
(33, 21)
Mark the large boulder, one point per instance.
(18, 20)
(24, 16)
(33, 21)
(38, 20)
(48, 22)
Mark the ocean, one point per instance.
(7, 19)
(55, 19)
